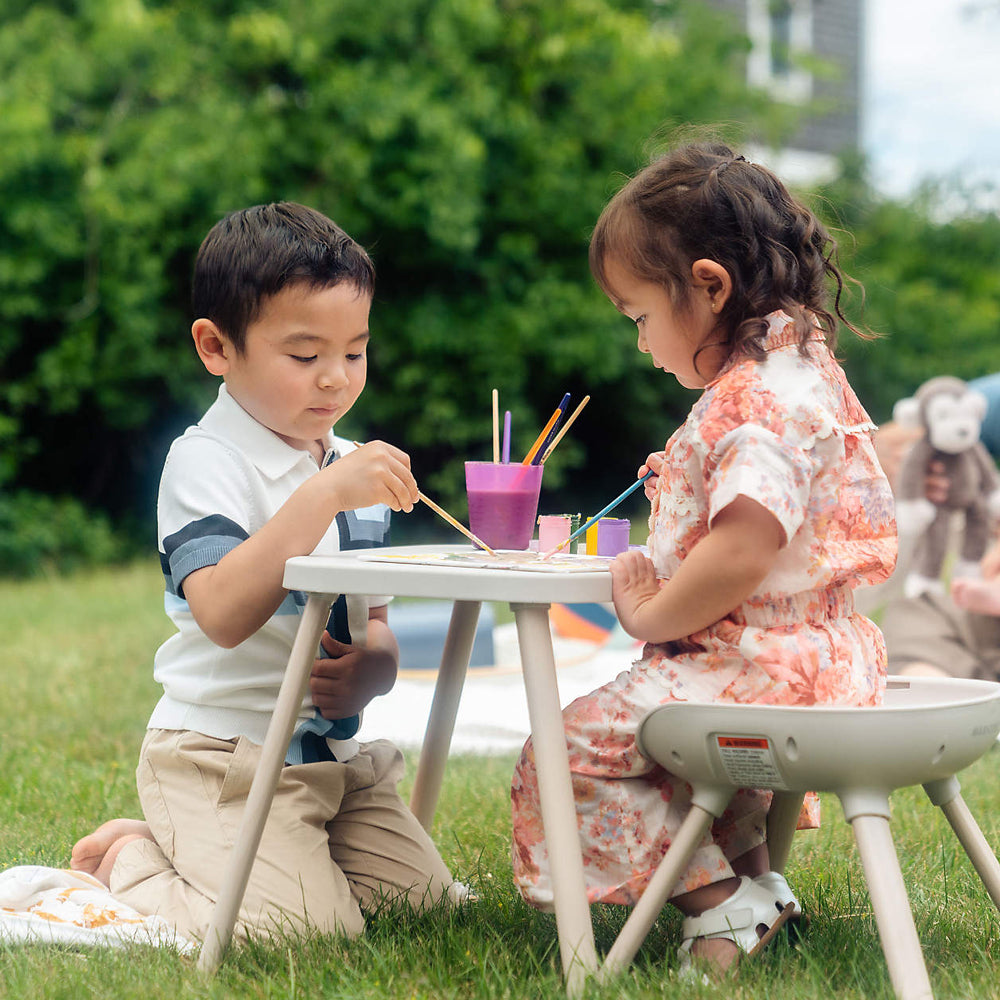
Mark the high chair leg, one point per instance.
(892, 908)
(696, 824)
(946, 794)
(782, 818)
(976, 846)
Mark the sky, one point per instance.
(932, 91)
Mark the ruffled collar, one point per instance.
(781, 331)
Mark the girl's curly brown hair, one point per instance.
(704, 201)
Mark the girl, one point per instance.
(768, 508)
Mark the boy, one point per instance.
(282, 296)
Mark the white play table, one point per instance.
(529, 595)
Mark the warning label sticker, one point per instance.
(749, 762)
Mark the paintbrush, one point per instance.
(565, 427)
(496, 426)
(454, 522)
(614, 503)
(534, 449)
(543, 447)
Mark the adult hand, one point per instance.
(989, 565)
(937, 485)
(892, 441)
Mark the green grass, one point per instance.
(75, 673)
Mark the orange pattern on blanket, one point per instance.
(92, 916)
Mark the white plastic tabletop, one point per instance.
(357, 573)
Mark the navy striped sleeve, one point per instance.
(198, 544)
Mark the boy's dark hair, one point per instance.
(704, 201)
(251, 255)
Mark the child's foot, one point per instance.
(981, 597)
(743, 923)
(716, 954)
(96, 853)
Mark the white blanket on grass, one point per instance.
(41, 905)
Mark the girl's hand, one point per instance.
(633, 585)
(721, 571)
(654, 464)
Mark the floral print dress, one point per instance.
(790, 434)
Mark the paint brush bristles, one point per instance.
(565, 427)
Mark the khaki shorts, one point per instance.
(931, 629)
(338, 839)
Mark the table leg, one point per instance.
(357, 618)
(555, 790)
(444, 709)
(279, 731)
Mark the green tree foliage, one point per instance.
(929, 266)
(470, 144)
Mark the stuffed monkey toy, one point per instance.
(950, 414)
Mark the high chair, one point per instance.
(926, 731)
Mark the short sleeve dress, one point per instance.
(790, 434)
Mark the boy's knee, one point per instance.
(144, 878)
(272, 921)
(426, 893)
(322, 902)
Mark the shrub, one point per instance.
(45, 534)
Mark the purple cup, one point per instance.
(612, 535)
(503, 502)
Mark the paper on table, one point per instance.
(522, 561)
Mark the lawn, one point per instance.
(77, 690)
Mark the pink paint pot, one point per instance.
(553, 529)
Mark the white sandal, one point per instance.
(750, 918)
(775, 884)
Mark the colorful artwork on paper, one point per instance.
(524, 561)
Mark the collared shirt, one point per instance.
(224, 479)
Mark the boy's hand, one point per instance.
(375, 473)
(654, 464)
(344, 684)
(633, 585)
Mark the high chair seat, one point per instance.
(927, 730)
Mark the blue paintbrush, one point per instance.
(611, 506)
(561, 411)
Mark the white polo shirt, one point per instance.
(223, 479)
